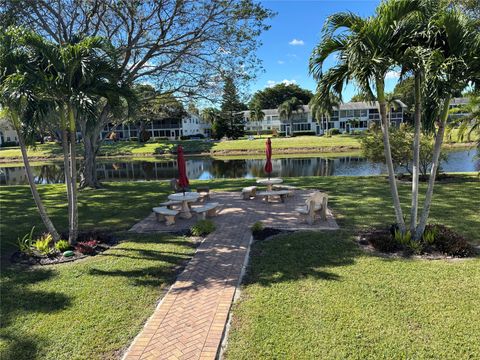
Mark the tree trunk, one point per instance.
(388, 156)
(88, 174)
(33, 187)
(73, 229)
(416, 155)
(434, 169)
(67, 171)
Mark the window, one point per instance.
(364, 113)
(342, 124)
(349, 113)
(343, 113)
(363, 124)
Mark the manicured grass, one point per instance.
(93, 308)
(317, 296)
(89, 309)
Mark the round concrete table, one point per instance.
(185, 198)
(269, 182)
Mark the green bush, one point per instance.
(62, 245)
(43, 244)
(257, 227)
(333, 132)
(202, 228)
(25, 244)
(304, 133)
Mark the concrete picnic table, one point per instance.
(269, 182)
(185, 198)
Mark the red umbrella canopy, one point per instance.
(182, 168)
(268, 153)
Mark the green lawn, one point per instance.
(92, 308)
(317, 296)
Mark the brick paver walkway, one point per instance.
(190, 321)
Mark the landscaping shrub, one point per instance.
(202, 228)
(62, 245)
(9, 144)
(43, 244)
(86, 247)
(304, 133)
(333, 132)
(451, 243)
(257, 227)
(383, 241)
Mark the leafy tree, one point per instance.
(402, 152)
(405, 91)
(358, 97)
(256, 114)
(288, 108)
(180, 46)
(322, 108)
(272, 97)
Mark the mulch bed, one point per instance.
(104, 241)
(447, 245)
(267, 232)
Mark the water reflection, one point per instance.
(208, 168)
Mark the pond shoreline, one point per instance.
(12, 161)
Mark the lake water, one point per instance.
(205, 168)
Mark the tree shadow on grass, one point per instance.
(299, 255)
(17, 300)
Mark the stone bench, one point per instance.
(249, 192)
(164, 213)
(209, 209)
(204, 192)
(282, 194)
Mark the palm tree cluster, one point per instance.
(287, 109)
(60, 87)
(432, 40)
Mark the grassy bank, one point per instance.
(92, 308)
(294, 145)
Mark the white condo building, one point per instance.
(347, 117)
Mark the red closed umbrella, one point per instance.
(268, 153)
(182, 169)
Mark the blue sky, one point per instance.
(294, 33)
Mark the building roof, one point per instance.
(459, 101)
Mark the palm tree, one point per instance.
(256, 114)
(322, 108)
(454, 63)
(21, 108)
(469, 121)
(363, 50)
(288, 108)
(73, 77)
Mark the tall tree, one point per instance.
(322, 108)
(180, 46)
(455, 63)
(288, 109)
(257, 115)
(363, 49)
(272, 97)
(21, 108)
(231, 109)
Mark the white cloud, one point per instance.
(292, 55)
(392, 74)
(281, 62)
(296, 42)
(271, 83)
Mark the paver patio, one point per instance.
(189, 322)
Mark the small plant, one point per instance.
(257, 227)
(429, 235)
(406, 240)
(43, 244)
(62, 245)
(25, 244)
(86, 247)
(202, 228)
(333, 132)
